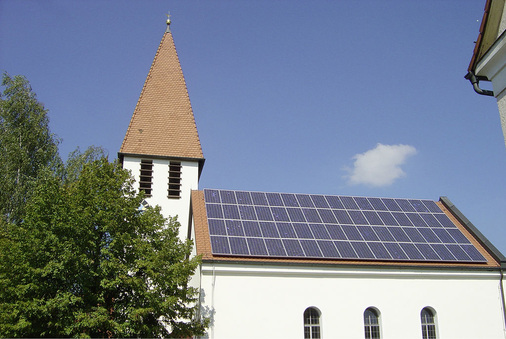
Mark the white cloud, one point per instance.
(380, 166)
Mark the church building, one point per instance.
(293, 265)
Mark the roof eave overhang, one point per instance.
(489, 30)
(492, 64)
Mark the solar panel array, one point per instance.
(289, 225)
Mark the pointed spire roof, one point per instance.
(163, 124)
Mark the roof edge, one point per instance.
(488, 32)
(477, 46)
(140, 155)
(366, 265)
(474, 231)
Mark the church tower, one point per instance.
(161, 146)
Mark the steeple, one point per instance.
(163, 125)
(161, 147)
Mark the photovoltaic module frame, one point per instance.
(287, 225)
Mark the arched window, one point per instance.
(428, 324)
(371, 324)
(311, 323)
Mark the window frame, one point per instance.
(372, 329)
(429, 328)
(312, 323)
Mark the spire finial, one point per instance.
(168, 21)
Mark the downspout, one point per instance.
(475, 80)
(502, 295)
(199, 316)
(212, 297)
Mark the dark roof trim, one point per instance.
(474, 231)
(135, 155)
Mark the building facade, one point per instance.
(306, 265)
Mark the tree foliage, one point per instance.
(78, 256)
(86, 261)
(77, 160)
(26, 144)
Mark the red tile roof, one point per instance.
(203, 246)
(163, 124)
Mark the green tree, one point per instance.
(77, 160)
(87, 261)
(26, 144)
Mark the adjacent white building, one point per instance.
(287, 265)
(489, 57)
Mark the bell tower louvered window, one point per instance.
(174, 190)
(146, 177)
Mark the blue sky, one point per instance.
(362, 98)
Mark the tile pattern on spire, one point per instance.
(163, 123)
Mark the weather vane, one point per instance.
(168, 18)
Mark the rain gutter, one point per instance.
(475, 80)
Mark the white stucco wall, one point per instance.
(502, 24)
(501, 104)
(254, 301)
(171, 207)
(493, 66)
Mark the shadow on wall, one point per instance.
(206, 312)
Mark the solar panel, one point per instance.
(257, 246)
(293, 248)
(274, 199)
(289, 225)
(217, 227)
(304, 200)
(289, 200)
(379, 250)
(336, 232)
(227, 197)
(238, 245)
(319, 231)
(319, 201)
(286, 230)
(243, 198)
(234, 228)
(251, 228)
(328, 249)
(395, 251)
(275, 248)
(391, 205)
(345, 249)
